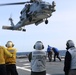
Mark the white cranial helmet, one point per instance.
(38, 45)
(70, 43)
(9, 44)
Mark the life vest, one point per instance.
(4, 52)
(11, 60)
(38, 62)
(72, 51)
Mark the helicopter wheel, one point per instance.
(24, 30)
(30, 19)
(46, 21)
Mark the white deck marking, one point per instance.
(26, 64)
(23, 68)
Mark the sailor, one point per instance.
(38, 59)
(11, 62)
(3, 52)
(56, 53)
(49, 51)
(70, 58)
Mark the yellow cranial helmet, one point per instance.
(9, 44)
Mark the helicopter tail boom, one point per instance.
(7, 27)
(10, 28)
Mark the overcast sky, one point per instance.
(61, 26)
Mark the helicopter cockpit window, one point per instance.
(47, 7)
(42, 5)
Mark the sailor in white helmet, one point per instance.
(70, 59)
(38, 59)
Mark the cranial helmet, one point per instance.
(38, 45)
(70, 44)
(9, 44)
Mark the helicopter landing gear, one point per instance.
(46, 21)
(24, 30)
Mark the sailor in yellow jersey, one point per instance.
(11, 62)
(3, 52)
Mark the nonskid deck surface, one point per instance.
(52, 68)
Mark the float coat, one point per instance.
(4, 52)
(72, 51)
(11, 60)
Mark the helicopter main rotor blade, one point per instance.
(18, 3)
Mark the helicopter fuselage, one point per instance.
(33, 13)
(37, 11)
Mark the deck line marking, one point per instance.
(22, 68)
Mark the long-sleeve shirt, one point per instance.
(13, 59)
(3, 52)
(55, 50)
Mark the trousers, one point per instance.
(3, 69)
(11, 69)
(72, 72)
(38, 73)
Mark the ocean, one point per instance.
(25, 54)
(62, 52)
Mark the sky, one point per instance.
(61, 26)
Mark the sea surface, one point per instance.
(25, 54)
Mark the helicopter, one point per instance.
(34, 12)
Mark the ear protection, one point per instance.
(9, 44)
(69, 44)
(38, 45)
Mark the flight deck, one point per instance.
(52, 68)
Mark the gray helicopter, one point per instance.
(34, 12)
